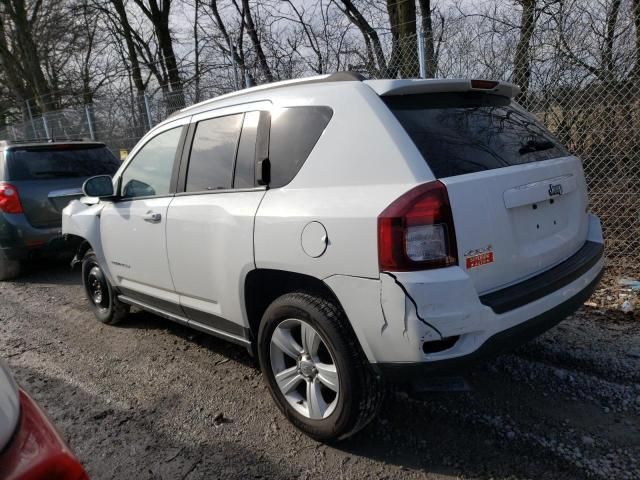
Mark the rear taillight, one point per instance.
(9, 199)
(416, 231)
(484, 84)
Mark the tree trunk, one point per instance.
(431, 62)
(159, 16)
(27, 53)
(636, 21)
(608, 62)
(522, 60)
(255, 41)
(136, 73)
(404, 52)
(196, 51)
(372, 41)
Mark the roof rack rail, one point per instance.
(343, 76)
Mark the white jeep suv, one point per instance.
(349, 232)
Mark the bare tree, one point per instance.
(123, 30)
(404, 54)
(522, 58)
(608, 62)
(255, 40)
(158, 12)
(636, 21)
(19, 53)
(431, 60)
(375, 60)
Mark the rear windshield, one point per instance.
(35, 163)
(460, 133)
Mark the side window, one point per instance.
(245, 175)
(212, 153)
(294, 133)
(149, 172)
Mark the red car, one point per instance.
(30, 446)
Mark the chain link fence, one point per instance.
(598, 121)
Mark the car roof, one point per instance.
(382, 87)
(13, 144)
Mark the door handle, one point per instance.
(152, 217)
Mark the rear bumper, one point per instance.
(19, 239)
(500, 342)
(436, 320)
(574, 267)
(36, 450)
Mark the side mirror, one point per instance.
(99, 186)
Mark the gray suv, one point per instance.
(37, 180)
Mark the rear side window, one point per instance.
(212, 153)
(294, 133)
(245, 175)
(460, 133)
(60, 161)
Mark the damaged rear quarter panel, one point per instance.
(383, 318)
(446, 299)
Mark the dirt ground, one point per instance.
(151, 399)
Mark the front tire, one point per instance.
(100, 293)
(315, 369)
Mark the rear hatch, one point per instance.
(49, 176)
(518, 197)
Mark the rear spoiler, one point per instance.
(409, 87)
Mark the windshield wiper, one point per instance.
(536, 146)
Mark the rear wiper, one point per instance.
(536, 146)
(56, 173)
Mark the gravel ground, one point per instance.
(152, 399)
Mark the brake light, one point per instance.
(416, 231)
(9, 199)
(484, 84)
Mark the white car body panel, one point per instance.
(199, 256)
(9, 405)
(210, 250)
(496, 208)
(135, 249)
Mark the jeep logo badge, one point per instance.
(555, 189)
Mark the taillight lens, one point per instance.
(484, 84)
(9, 199)
(416, 231)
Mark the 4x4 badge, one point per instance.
(555, 189)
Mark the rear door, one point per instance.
(518, 197)
(48, 177)
(133, 228)
(210, 224)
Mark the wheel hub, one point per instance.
(96, 290)
(307, 367)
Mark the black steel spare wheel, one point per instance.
(101, 295)
(97, 287)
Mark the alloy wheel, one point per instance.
(304, 369)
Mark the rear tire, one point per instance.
(325, 386)
(9, 268)
(100, 293)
